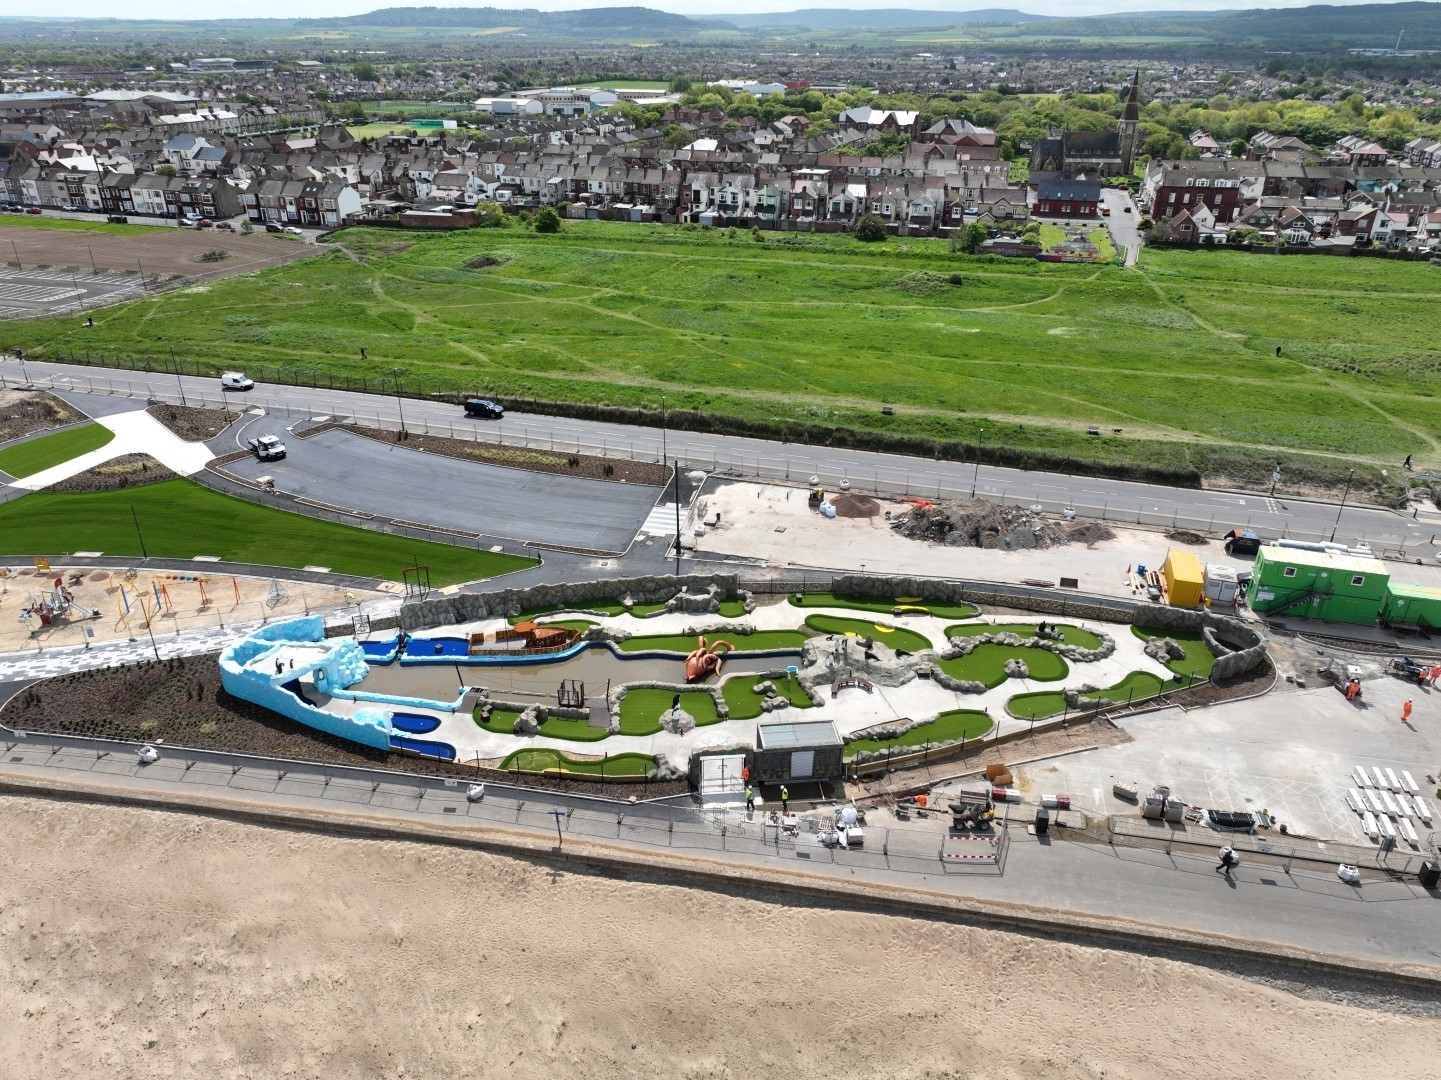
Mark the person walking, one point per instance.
(1228, 860)
(1406, 711)
(1407, 463)
(750, 798)
(786, 793)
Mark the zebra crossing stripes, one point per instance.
(39, 294)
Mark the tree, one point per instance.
(1239, 148)
(675, 137)
(245, 227)
(547, 220)
(870, 229)
(490, 215)
(364, 71)
(970, 238)
(165, 170)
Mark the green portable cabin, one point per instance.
(1318, 585)
(1412, 605)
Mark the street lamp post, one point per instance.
(93, 268)
(976, 476)
(141, 536)
(178, 382)
(1342, 509)
(663, 456)
(1275, 479)
(399, 404)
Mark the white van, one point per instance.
(235, 380)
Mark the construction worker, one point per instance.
(786, 792)
(750, 798)
(1406, 711)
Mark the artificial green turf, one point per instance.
(1071, 635)
(760, 641)
(745, 704)
(37, 455)
(180, 520)
(732, 609)
(987, 664)
(640, 611)
(939, 608)
(805, 326)
(948, 727)
(604, 607)
(544, 759)
(1038, 706)
(641, 709)
(892, 637)
(502, 722)
(1198, 662)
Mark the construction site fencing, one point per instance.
(797, 466)
(1292, 854)
(721, 831)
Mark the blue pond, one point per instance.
(378, 650)
(414, 723)
(437, 646)
(441, 750)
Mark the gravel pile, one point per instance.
(981, 524)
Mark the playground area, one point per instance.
(49, 607)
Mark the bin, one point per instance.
(1430, 874)
(1043, 821)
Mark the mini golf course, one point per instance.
(1070, 635)
(892, 636)
(1038, 706)
(947, 727)
(540, 759)
(941, 609)
(987, 664)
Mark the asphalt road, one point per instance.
(364, 474)
(49, 291)
(1124, 232)
(1112, 500)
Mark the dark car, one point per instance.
(272, 226)
(484, 409)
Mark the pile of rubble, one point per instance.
(982, 524)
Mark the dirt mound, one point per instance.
(977, 523)
(1090, 534)
(1185, 536)
(481, 262)
(855, 506)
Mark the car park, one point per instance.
(484, 409)
(235, 380)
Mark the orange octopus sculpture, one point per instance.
(705, 661)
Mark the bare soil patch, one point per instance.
(130, 470)
(191, 424)
(24, 411)
(1186, 536)
(160, 251)
(1091, 534)
(516, 457)
(181, 701)
(982, 524)
(855, 506)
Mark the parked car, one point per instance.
(225, 225)
(33, 210)
(73, 209)
(235, 380)
(267, 447)
(272, 226)
(293, 231)
(118, 219)
(484, 409)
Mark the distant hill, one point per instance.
(879, 19)
(610, 18)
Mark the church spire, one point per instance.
(1133, 99)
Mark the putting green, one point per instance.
(987, 664)
(892, 636)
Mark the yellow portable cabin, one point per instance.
(1185, 581)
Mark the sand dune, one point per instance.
(142, 944)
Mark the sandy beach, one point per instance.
(137, 943)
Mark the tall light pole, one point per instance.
(399, 404)
(976, 476)
(663, 458)
(1342, 510)
(93, 268)
(1275, 479)
(675, 470)
(176, 364)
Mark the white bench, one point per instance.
(1362, 780)
(1376, 776)
(1408, 833)
(1368, 823)
(1373, 800)
(1391, 781)
(1423, 809)
(1409, 783)
(1388, 831)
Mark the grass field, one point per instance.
(948, 727)
(179, 520)
(1071, 635)
(37, 455)
(1178, 353)
(52, 221)
(987, 664)
(1038, 706)
(906, 640)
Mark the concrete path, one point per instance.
(136, 432)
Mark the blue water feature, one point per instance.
(379, 652)
(436, 646)
(441, 750)
(414, 723)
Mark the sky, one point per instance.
(174, 9)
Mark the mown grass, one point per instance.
(544, 759)
(502, 722)
(893, 637)
(947, 727)
(641, 709)
(760, 641)
(1071, 635)
(987, 664)
(1178, 353)
(1037, 706)
(745, 704)
(909, 605)
(604, 607)
(46, 221)
(1198, 662)
(180, 520)
(37, 455)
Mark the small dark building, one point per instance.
(1068, 199)
(803, 750)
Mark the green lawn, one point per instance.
(502, 722)
(37, 455)
(543, 759)
(948, 727)
(745, 704)
(1199, 660)
(760, 641)
(893, 637)
(821, 329)
(1071, 635)
(179, 520)
(987, 664)
(939, 608)
(605, 607)
(49, 221)
(641, 709)
(1038, 706)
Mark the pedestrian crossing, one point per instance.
(660, 521)
(37, 294)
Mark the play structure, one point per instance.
(705, 661)
(59, 603)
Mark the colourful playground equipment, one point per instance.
(704, 661)
(58, 603)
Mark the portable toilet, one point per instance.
(1220, 583)
(1185, 583)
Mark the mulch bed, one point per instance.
(24, 411)
(182, 702)
(532, 460)
(130, 470)
(191, 424)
